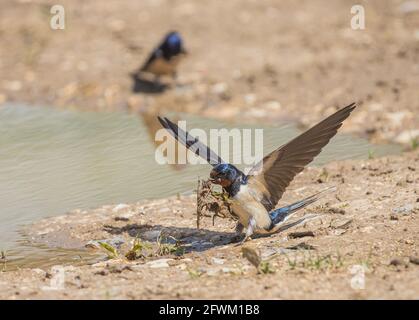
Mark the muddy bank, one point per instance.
(249, 61)
(369, 224)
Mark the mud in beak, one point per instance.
(222, 182)
(216, 180)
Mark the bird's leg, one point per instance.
(249, 230)
(238, 231)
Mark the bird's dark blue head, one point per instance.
(172, 45)
(224, 174)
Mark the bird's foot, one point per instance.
(249, 231)
(246, 238)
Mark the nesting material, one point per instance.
(211, 203)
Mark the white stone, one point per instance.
(272, 105)
(161, 263)
(250, 98)
(219, 88)
(119, 207)
(407, 136)
(217, 260)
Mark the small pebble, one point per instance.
(406, 209)
(119, 207)
(301, 234)
(217, 260)
(102, 272)
(396, 262)
(161, 263)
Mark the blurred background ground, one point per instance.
(250, 60)
(260, 61)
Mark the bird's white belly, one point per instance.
(245, 206)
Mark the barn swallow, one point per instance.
(255, 195)
(165, 58)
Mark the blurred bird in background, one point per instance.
(164, 59)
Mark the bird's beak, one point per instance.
(213, 178)
(221, 182)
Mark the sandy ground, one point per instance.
(363, 245)
(249, 60)
(261, 61)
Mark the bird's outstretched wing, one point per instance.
(272, 175)
(191, 142)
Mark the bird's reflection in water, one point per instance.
(149, 118)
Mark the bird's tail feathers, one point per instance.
(282, 226)
(279, 216)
